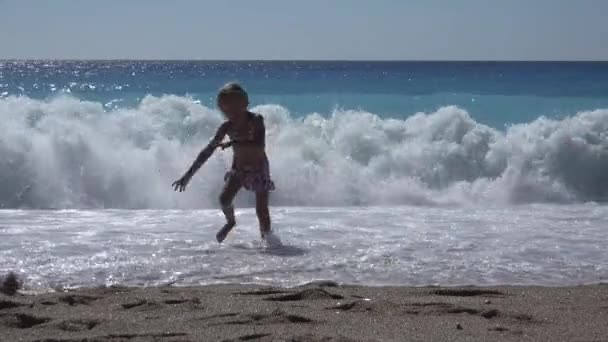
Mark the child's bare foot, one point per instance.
(221, 235)
(270, 239)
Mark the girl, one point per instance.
(250, 167)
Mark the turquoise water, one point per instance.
(494, 93)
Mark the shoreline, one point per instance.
(318, 311)
(31, 291)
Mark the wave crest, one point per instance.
(67, 153)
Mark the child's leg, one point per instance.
(261, 209)
(231, 188)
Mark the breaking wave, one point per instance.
(68, 153)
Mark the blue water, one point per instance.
(494, 93)
(92, 134)
(387, 173)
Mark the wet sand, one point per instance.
(314, 312)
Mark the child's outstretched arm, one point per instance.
(180, 184)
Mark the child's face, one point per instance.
(233, 106)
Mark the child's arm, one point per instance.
(209, 149)
(202, 157)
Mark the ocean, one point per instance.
(387, 173)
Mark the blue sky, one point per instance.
(306, 29)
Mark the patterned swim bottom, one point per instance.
(252, 180)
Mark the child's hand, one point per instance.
(180, 184)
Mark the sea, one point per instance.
(387, 173)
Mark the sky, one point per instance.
(305, 29)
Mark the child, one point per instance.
(249, 164)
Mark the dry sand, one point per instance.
(315, 312)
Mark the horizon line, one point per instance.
(306, 60)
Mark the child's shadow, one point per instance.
(286, 251)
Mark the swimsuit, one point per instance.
(256, 180)
(252, 179)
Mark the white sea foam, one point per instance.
(67, 153)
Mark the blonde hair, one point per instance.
(231, 89)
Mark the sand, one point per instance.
(315, 312)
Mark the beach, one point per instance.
(320, 311)
(391, 176)
(303, 171)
